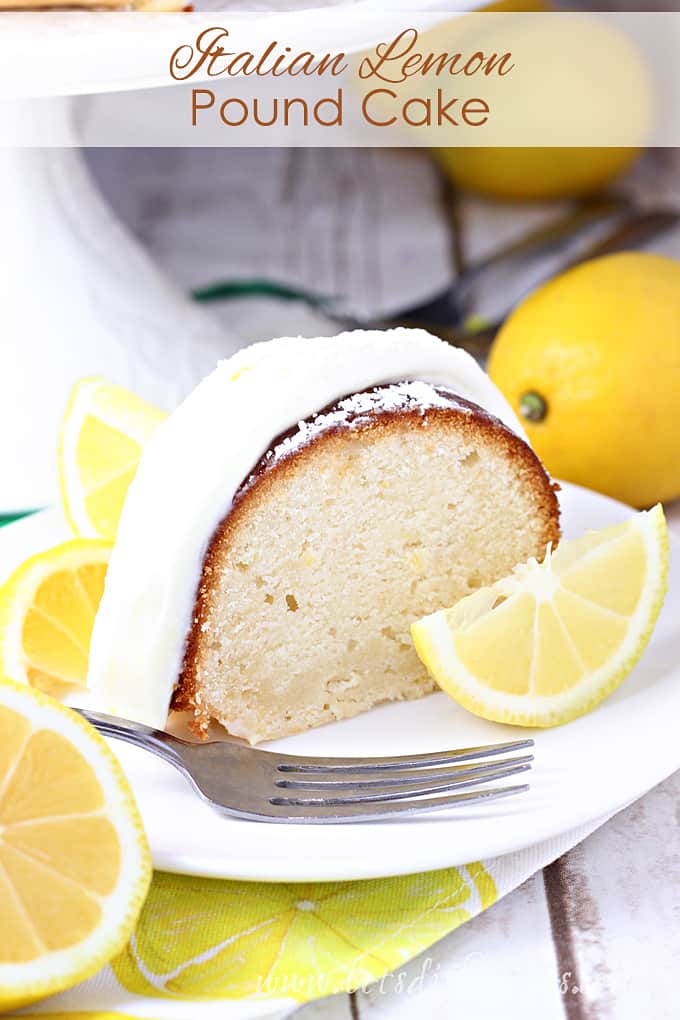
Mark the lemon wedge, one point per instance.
(74, 862)
(550, 641)
(102, 435)
(47, 611)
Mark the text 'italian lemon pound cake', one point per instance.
(306, 503)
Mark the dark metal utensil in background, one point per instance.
(452, 305)
(469, 312)
(509, 273)
(447, 313)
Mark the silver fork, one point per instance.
(266, 786)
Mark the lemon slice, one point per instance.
(74, 862)
(102, 435)
(549, 642)
(47, 611)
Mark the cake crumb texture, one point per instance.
(312, 580)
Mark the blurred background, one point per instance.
(148, 264)
(304, 241)
(365, 233)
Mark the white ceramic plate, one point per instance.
(582, 771)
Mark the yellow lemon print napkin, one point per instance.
(206, 949)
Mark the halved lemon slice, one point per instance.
(549, 642)
(102, 435)
(74, 862)
(47, 611)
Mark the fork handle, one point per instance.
(138, 734)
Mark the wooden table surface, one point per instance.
(596, 935)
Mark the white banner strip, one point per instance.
(341, 76)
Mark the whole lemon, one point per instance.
(534, 174)
(591, 364)
(578, 116)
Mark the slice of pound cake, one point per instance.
(295, 515)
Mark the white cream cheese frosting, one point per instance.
(195, 463)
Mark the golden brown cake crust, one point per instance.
(461, 416)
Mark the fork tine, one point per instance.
(361, 811)
(240, 781)
(331, 781)
(291, 763)
(405, 791)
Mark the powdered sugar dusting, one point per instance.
(360, 409)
